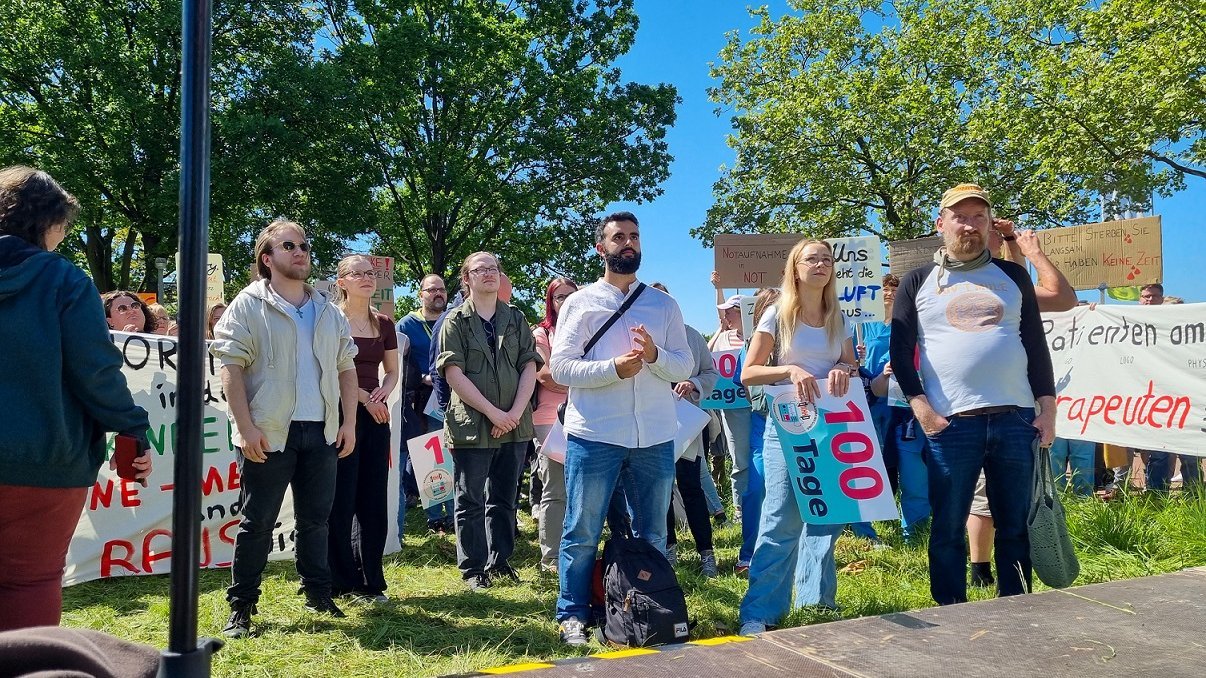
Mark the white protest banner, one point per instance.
(747, 315)
(432, 463)
(858, 265)
(833, 456)
(125, 529)
(691, 422)
(726, 394)
(1133, 376)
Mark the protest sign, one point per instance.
(383, 298)
(215, 279)
(1131, 375)
(432, 408)
(833, 456)
(1117, 253)
(726, 395)
(691, 422)
(751, 260)
(858, 275)
(432, 463)
(906, 255)
(747, 315)
(125, 529)
(554, 443)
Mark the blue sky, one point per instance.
(676, 41)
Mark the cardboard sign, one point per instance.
(752, 260)
(1117, 253)
(126, 529)
(215, 279)
(726, 395)
(906, 255)
(383, 298)
(432, 464)
(833, 457)
(858, 272)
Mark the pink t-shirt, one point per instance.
(547, 401)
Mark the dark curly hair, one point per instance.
(149, 322)
(31, 203)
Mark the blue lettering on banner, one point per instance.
(726, 395)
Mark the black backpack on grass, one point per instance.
(643, 603)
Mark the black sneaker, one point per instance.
(504, 572)
(323, 603)
(478, 582)
(239, 623)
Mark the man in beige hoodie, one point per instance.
(287, 369)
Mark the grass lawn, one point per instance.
(435, 626)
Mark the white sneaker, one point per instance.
(752, 628)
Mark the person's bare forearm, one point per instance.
(235, 386)
(349, 389)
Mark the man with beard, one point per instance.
(287, 368)
(620, 415)
(984, 366)
(419, 327)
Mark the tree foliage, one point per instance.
(855, 115)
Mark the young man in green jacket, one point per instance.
(488, 357)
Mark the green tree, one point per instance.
(487, 125)
(90, 91)
(855, 115)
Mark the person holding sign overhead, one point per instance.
(802, 339)
(488, 357)
(984, 366)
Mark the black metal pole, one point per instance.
(185, 657)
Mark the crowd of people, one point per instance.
(307, 376)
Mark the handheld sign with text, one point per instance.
(1116, 253)
(726, 395)
(432, 463)
(833, 457)
(858, 275)
(691, 422)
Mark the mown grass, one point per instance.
(434, 626)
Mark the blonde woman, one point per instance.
(211, 319)
(360, 486)
(807, 329)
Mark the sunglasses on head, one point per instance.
(289, 245)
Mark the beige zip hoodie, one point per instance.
(257, 334)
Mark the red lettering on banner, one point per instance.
(852, 415)
(108, 559)
(727, 365)
(1148, 409)
(149, 557)
(102, 495)
(433, 444)
(129, 493)
(205, 554)
(848, 477)
(853, 438)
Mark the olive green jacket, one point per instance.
(463, 343)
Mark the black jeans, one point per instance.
(307, 464)
(686, 474)
(359, 521)
(487, 482)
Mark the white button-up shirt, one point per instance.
(602, 407)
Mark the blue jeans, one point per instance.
(1158, 470)
(709, 487)
(592, 470)
(1001, 444)
(904, 443)
(1080, 454)
(755, 490)
(789, 553)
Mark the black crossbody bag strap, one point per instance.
(599, 335)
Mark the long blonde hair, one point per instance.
(789, 301)
(340, 296)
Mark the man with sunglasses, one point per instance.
(287, 368)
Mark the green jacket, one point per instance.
(463, 343)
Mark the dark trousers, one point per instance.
(487, 482)
(36, 526)
(686, 474)
(359, 516)
(307, 464)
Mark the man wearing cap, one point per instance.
(984, 366)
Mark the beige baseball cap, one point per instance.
(963, 192)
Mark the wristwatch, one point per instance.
(1008, 238)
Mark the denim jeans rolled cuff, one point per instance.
(487, 484)
(307, 465)
(755, 490)
(789, 555)
(592, 472)
(910, 447)
(1002, 445)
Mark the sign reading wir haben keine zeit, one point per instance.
(1117, 253)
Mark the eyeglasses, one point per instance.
(813, 262)
(125, 308)
(433, 290)
(289, 245)
(562, 297)
(357, 275)
(484, 270)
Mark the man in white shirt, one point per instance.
(620, 417)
